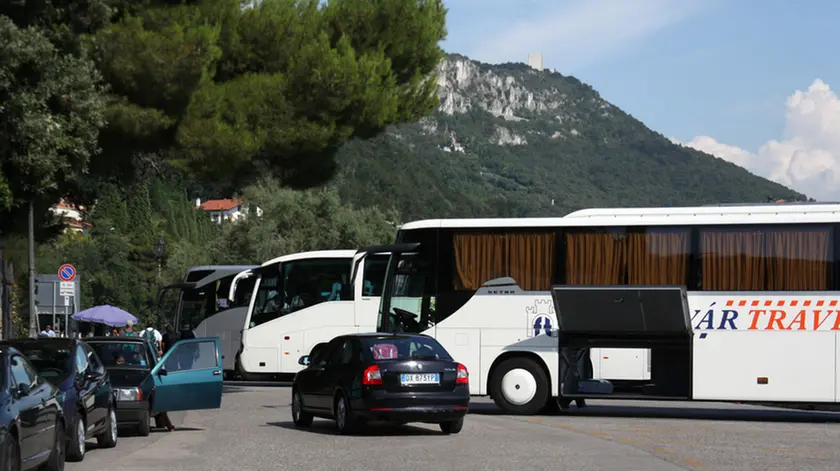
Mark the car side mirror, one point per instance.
(162, 372)
(93, 376)
(304, 360)
(23, 390)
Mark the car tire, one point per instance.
(519, 386)
(76, 440)
(57, 456)
(11, 450)
(300, 417)
(344, 420)
(144, 428)
(452, 426)
(108, 437)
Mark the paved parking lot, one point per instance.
(253, 431)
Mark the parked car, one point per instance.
(84, 386)
(31, 418)
(187, 377)
(399, 378)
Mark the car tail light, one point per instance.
(463, 375)
(372, 376)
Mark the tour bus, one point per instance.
(755, 317)
(303, 299)
(207, 305)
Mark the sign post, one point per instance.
(67, 289)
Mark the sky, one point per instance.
(750, 81)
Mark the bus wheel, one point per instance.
(519, 386)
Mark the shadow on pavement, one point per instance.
(259, 384)
(691, 413)
(325, 427)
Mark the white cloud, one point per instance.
(574, 33)
(807, 158)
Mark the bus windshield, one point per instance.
(409, 296)
(200, 303)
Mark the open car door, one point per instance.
(189, 376)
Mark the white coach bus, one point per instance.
(303, 299)
(761, 299)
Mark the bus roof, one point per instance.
(313, 254)
(217, 272)
(770, 213)
(226, 268)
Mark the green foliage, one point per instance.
(51, 109)
(234, 93)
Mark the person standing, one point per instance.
(129, 331)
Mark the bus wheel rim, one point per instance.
(519, 386)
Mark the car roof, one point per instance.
(116, 338)
(40, 340)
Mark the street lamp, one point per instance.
(160, 251)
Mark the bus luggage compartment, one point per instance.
(632, 317)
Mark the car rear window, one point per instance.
(405, 348)
(121, 354)
(53, 361)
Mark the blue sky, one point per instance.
(686, 68)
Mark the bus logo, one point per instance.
(542, 325)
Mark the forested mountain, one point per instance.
(508, 140)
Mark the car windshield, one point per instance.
(121, 354)
(53, 361)
(405, 348)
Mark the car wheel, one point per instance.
(519, 386)
(300, 417)
(452, 426)
(57, 458)
(108, 438)
(76, 439)
(144, 428)
(12, 453)
(343, 418)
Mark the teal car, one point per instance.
(187, 377)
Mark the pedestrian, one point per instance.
(129, 331)
(153, 337)
(169, 337)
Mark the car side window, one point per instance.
(81, 361)
(336, 352)
(93, 359)
(192, 356)
(342, 354)
(22, 372)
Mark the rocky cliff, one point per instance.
(508, 140)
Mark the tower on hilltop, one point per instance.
(535, 61)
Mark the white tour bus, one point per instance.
(759, 287)
(303, 299)
(206, 306)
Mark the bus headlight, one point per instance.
(129, 394)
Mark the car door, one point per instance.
(321, 395)
(28, 406)
(86, 390)
(41, 391)
(189, 377)
(100, 383)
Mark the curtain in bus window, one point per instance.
(657, 257)
(798, 260)
(733, 260)
(527, 258)
(595, 258)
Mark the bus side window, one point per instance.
(374, 276)
(788, 258)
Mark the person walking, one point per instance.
(129, 331)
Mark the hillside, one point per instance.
(508, 140)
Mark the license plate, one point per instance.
(419, 378)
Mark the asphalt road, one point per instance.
(253, 431)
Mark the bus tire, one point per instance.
(519, 386)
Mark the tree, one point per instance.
(233, 94)
(51, 109)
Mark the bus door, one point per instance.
(370, 278)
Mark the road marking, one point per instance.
(567, 427)
(661, 450)
(598, 434)
(536, 421)
(692, 462)
(628, 441)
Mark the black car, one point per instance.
(381, 377)
(129, 360)
(31, 418)
(87, 399)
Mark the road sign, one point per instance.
(67, 288)
(67, 272)
(67, 300)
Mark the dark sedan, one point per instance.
(87, 400)
(31, 419)
(381, 377)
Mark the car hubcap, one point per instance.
(340, 415)
(113, 419)
(80, 436)
(519, 386)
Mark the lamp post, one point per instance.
(160, 252)
(5, 286)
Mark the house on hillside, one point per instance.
(72, 216)
(225, 210)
